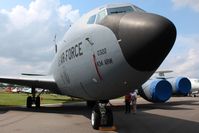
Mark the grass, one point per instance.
(11, 99)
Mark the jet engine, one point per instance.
(180, 85)
(158, 90)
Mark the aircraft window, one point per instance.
(91, 20)
(124, 9)
(138, 9)
(101, 15)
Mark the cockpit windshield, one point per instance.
(138, 9)
(112, 10)
(116, 10)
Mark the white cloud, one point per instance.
(9, 66)
(27, 34)
(184, 58)
(66, 13)
(194, 4)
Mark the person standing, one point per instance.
(134, 102)
(128, 103)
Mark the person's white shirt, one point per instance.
(134, 97)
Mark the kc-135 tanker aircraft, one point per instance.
(106, 54)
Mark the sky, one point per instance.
(28, 27)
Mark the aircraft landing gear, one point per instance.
(101, 116)
(91, 104)
(33, 99)
(29, 102)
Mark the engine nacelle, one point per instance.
(158, 90)
(180, 85)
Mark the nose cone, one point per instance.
(146, 39)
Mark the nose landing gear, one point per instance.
(101, 116)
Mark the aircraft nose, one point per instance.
(145, 39)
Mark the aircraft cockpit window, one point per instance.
(138, 9)
(101, 15)
(91, 20)
(116, 10)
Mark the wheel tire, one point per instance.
(37, 102)
(95, 118)
(29, 102)
(109, 115)
(91, 104)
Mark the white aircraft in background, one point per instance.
(15, 90)
(194, 86)
(161, 88)
(26, 90)
(108, 52)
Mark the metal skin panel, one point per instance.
(114, 76)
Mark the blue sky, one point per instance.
(183, 58)
(185, 18)
(179, 16)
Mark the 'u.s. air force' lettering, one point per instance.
(71, 53)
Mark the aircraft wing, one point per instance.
(43, 82)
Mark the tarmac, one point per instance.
(178, 115)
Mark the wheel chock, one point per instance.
(113, 128)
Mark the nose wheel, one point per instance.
(33, 99)
(101, 116)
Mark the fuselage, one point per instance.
(194, 84)
(104, 57)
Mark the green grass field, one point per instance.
(10, 99)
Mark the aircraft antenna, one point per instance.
(55, 41)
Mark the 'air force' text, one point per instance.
(71, 53)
